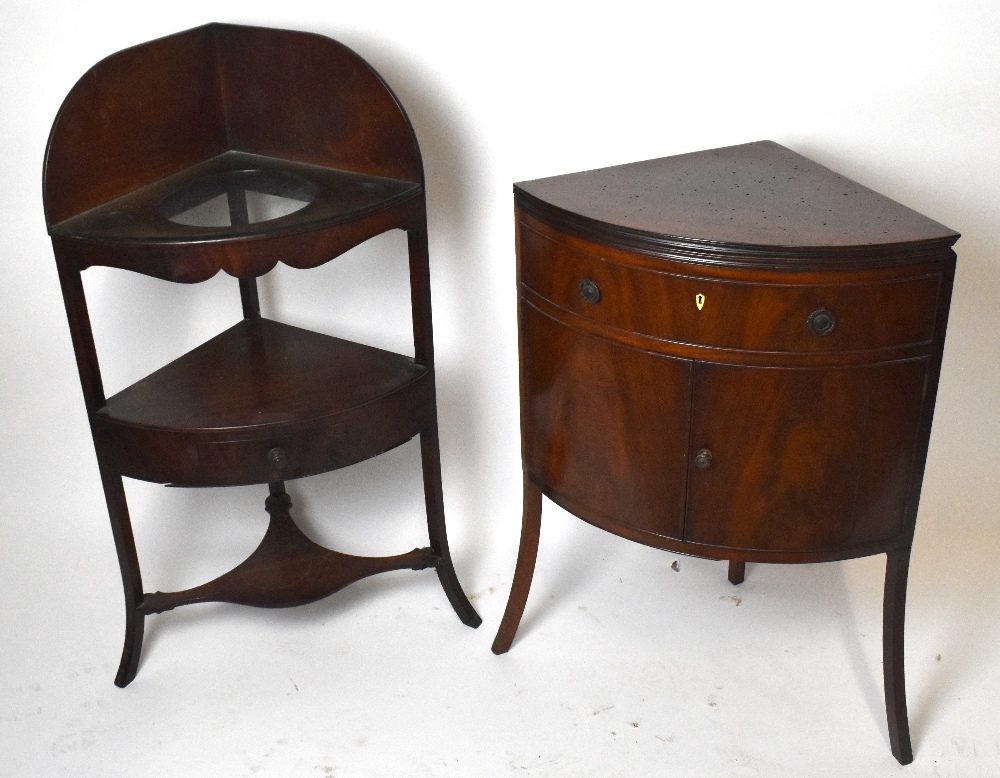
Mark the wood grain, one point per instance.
(732, 354)
(217, 112)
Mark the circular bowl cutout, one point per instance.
(237, 198)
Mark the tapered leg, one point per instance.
(430, 451)
(430, 456)
(893, 615)
(128, 561)
(527, 552)
(737, 572)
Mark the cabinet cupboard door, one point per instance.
(814, 459)
(605, 425)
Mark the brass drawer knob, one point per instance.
(703, 459)
(590, 291)
(277, 458)
(821, 322)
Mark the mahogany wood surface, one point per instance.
(625, 460)
(760, 198)
(145, 215)
(527, 552)
(156, 109)
(211, 416)
(756, 316)
(803, 459)
(226, 111)
(732, 354)
(287, 568)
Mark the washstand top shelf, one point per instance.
(228, 147)
(204, 202)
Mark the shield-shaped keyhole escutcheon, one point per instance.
(699, 300)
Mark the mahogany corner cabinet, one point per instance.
(233, 148)
(732, 354)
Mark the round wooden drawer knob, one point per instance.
(591, 293)
(821, 321)
(703, 459)
(277, 458)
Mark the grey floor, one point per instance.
(625, 664)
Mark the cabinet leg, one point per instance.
(737, 572)
(893, 615)
(430, 455)
(128, 561)
(527, 552)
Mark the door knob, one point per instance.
(703, 459)
(821, 321)
(591, 293)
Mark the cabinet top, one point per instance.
(756, 199)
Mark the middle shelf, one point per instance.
(261, 402)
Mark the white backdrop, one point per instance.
(901, 96)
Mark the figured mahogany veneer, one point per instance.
(233, 148)
(756, 316)
(732, 354)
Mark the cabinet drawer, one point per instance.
(720, 313)
(187, 457)
(266, 460)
